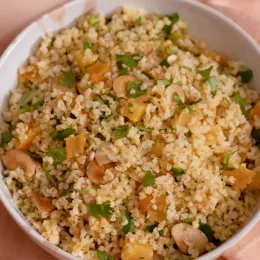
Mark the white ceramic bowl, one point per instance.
(204, 23)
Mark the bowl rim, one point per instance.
(53, 249)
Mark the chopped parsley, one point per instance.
(104, 256)
(227, 101)
(139, 20)
(145, 129)
(196, 102)
(148, 179)
(206, 229)
(246, 75)
(31, 108)
(101, 137)
(87, 45)
(226, 162)
(129, 227)
(171, 52)
(129, 60)
(205, 73)
(133, 89)
(181, 105)
(174, 19)
(61, 135)
(150, 229)
(121, 69)
(58, 155)
(93, 21)
(244, 106)
(211, 80)
(256, 135)
(66, 191)
(26, 98)
(7, 137)
(165, 63)
(165, 82)
(188, 221)
(177, 172)
(67, 79)
(121, 131)
(50, 178)
(19, 185)
(35, 156)
(101, 210)
(108, 20)
(148, 75)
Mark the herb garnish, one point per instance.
(121, 131)
(226, 162)
(134, 90)
(244, 106)
(61, 135)
(58, 155)
(101, 210)
(246, 75)
(67, 79)
(148, 179)
(129, 227)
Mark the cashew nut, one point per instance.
(120, 83)
(102, 153)
(42, 203)
(186, 236)
(14, 158)
(96, 173)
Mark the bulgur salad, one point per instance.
(127, 139)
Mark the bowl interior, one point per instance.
(205, 24)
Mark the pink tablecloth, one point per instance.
(14, 244)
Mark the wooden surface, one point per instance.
(14, 244)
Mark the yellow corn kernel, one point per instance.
(26, 143)
(98, 71)
(212, 135)
(158, 147)
(243, 176)
(137, 251)
(134, 111)
(75, 145)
